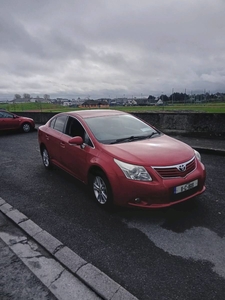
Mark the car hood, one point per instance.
(158, 151)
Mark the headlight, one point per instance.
(133, 172)
(198, 155)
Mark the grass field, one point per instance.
(48, 107)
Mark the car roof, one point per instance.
(91, 113)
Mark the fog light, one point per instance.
(137, 200)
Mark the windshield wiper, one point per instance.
(134, 138)
(150, 135)
(126, 139)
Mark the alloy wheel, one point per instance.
(26, 127)
(45, 158)
(100, 190)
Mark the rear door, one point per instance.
(52, 138)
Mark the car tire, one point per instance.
(26, 127)
(101, 190)
(46, 159)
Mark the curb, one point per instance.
(95, 279)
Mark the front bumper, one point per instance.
(159, 192)
(144, 202)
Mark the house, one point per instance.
(95, 104)
(130, 102)
(159, 102)
(40, 100)
(20, 100)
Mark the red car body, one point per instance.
(10, 121)
(149, 171)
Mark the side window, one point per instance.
(4, 114)
(60, 123)
(74, 128)
(87, 140)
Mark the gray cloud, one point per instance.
(101, 48)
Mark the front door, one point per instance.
(8, 121)
(74, 157)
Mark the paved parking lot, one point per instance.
(174, 253)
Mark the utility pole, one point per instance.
(172, 95)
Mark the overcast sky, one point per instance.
(102, 48)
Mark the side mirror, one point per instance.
(77, 140)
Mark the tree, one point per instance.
(150, 97)
(26, 96)
(164, 98)
(178, 97)
(46, 97)
(17, 97)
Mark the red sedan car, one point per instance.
(123, 160)
(10, 121)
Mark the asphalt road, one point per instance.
(174, 253)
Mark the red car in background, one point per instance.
(123, 160)
(10, 121)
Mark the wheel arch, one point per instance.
(42, 146)
(106, 168)
(93, 170)
(97, 170)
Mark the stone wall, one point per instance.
(185, 123)
(195, 124)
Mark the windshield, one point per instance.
(119, 129)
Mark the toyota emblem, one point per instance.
(182, 168)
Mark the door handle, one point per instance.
(47, 137)
(62, 144)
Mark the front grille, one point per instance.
(174, 172)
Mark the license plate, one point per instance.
(185, 187)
